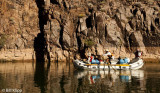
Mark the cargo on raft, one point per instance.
(135, 63)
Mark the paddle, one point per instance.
(105, 60)
(110, 65)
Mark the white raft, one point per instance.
(136, 63)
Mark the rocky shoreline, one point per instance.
(49, 30)
(29, 55)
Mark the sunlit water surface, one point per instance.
(30, 77)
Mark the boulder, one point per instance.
(55, 32)
(47, 3)
(100, 26)
(99, 49)
(66, 4)
(68, 32)
(129, 29)
(59, 54)
(19, 43)
(136, 40)
(66, 53)
(121, 20)
(114, 34)
(128, 13)
(82, 26)
(56, 15)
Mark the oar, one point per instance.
(104, 63)
(110, 66)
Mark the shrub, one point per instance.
(2, 7)
(2, 40)
(19, 32)
(81, 15)
(89, 42)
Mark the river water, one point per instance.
(29, 77)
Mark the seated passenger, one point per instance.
(100, 58)
(92, 60)
(90, 57)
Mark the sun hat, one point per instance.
(89, 54)
(106, 50)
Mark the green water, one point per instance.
(29, 77)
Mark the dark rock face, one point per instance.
(80, 26)
(55, 33)
(19, 23)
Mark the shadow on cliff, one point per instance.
(39, 47)
(41, 72)
(39, 41)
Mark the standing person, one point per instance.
(110, 56)
(138, 53)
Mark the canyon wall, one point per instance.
(60, 29)
(19, 25)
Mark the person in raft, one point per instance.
(109, 55)
(92, 60)
(138, 53)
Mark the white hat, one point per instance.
(89, 54)
(106, 50)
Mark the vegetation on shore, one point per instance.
(2, 40)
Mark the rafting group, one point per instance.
(108, 58)
(107, 61)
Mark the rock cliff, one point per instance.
(57, 29)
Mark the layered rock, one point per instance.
(19, 25)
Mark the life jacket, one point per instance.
(110, 56)
(91, 58)
(138, 53)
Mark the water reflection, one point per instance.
(108, 80)
(41, 75)
(123, 75)
(53, 78)
(63, 78)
